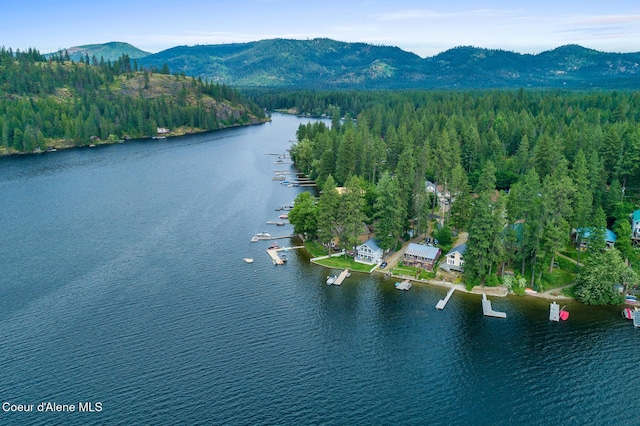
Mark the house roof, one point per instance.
(371, 243)
(636, 216)
(462, 248)
(419, 250)
(585, 233)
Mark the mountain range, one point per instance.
(328, 64)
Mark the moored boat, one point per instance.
(331, 279)
(248, 260)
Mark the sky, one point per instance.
(423, 27)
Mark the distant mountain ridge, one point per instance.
(329, 64)
(108, 51)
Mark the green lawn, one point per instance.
(411, 272)
(315, 248)
(340, 262)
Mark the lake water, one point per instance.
(122, 283)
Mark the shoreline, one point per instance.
(62, 144)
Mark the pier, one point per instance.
(275, 257)
(488, 311)
(344, 274)
(443, 302)
(262, 238)
(273, 253)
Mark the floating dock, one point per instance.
(443, 302)
(554, 312)
(404, 285)
(488, 311)
(344, 274)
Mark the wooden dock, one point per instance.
(275, 257)
(443, 302)
(344, 274)
(488, 311)
(280, 237)
(273, 253)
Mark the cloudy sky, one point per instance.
(424, 27)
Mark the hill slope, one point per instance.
(55, 103)
(325, 63)
(108, 51)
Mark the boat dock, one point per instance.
(554, 312)
(271, 222)
(488, 311)
(404, 285)
(260, 238)
(344, 274)
(443, 302)
(275, 257)
(273, 253)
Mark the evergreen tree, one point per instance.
(351, 213)
(389, 212)
(328, 211)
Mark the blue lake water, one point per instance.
(122, 282)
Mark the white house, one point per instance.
(368, 252)
(455, 259)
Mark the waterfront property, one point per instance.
(368, 252)
(455, 259)
(421, 256)
(581, 237)
(635, 227)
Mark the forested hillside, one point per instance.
(520, 169)
(58, 102)
(329, 64)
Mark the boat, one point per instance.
(629, 313)
(283, 257)
(263, 235)
(529, 290)
(273, 246)
(283, 216)
(248, 260)
(405, 285)
(564, 315)
(331, 279)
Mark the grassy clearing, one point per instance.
(340, 262)
(412, 272)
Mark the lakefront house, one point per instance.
(421, 256)
(368, 252)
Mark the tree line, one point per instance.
(520, 168)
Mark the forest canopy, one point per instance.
(58, 102)
(520, 169)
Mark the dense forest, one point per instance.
(55, 101)
(518, 170)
